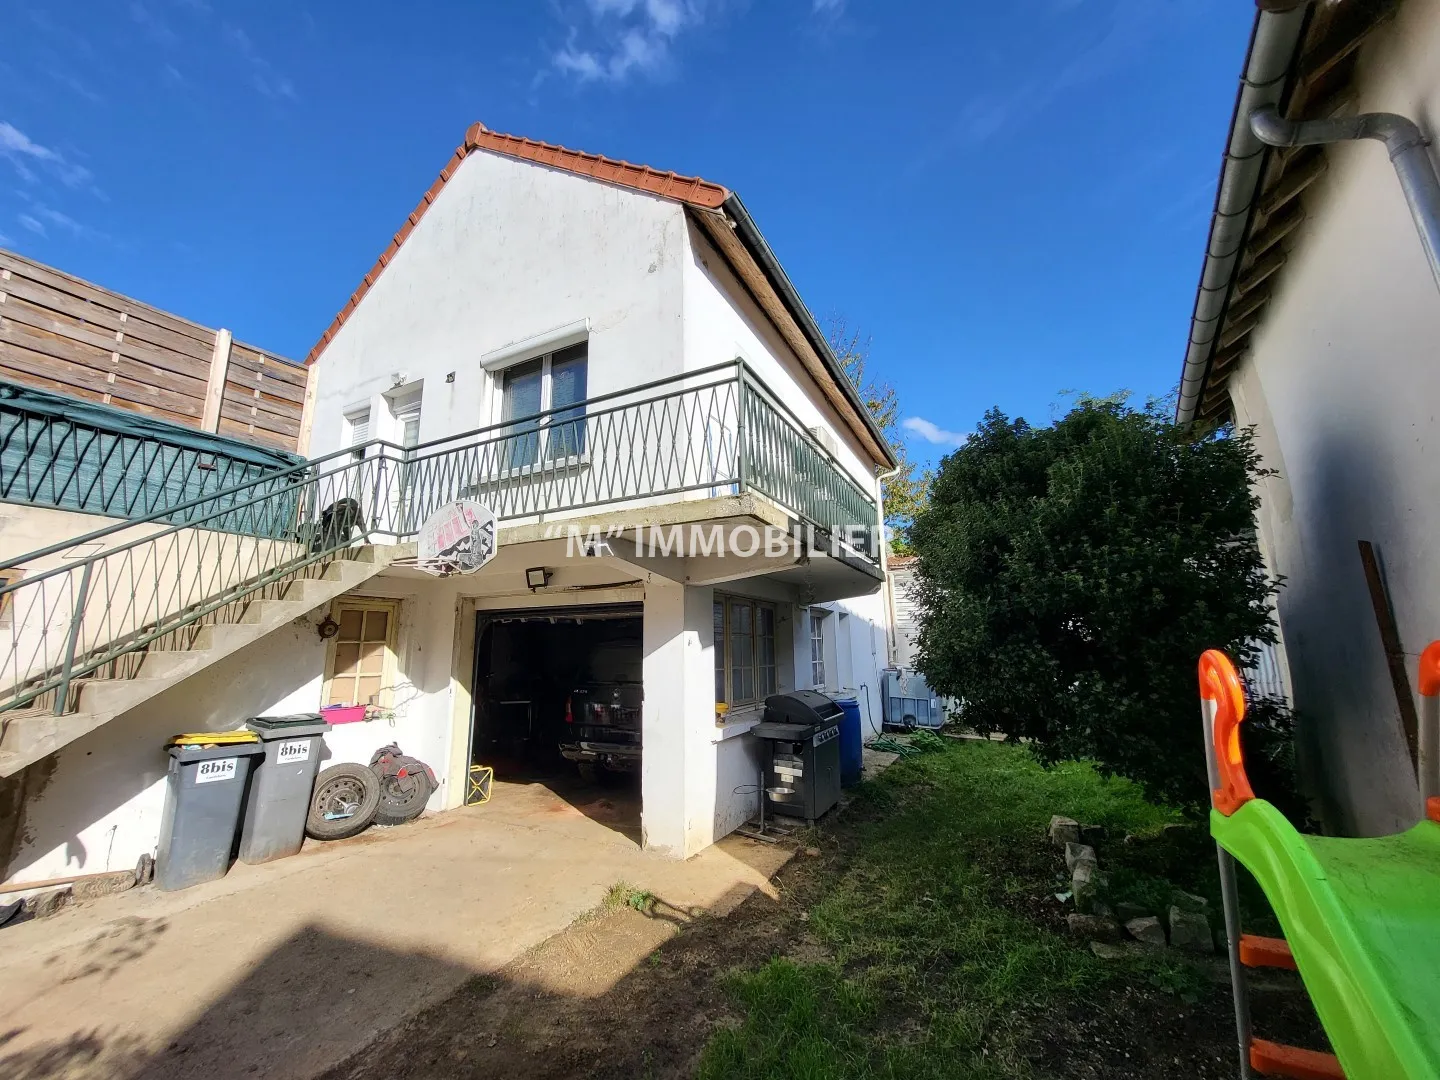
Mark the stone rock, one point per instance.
(1125, 910)
(1093, 927)
(1104, 910)
(1177, 829)
(1075, 853)
(1064, 830)
(1087, 885)
(1092, 834)
(1147, 930)
(1190, 902)
(145, 869)
(1106, 951)
(1190, 930)
(92, 888)
(42, 905)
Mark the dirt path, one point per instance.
(621, 994)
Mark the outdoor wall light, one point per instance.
(537, 577)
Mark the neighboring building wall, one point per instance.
(899, 581)
(508, 251)
(60, 333)
(1341, 385)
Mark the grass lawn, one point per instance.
(915, 935)
(943, 952)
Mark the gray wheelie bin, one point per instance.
(204, 791)
(280, 792)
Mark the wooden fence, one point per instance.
(60, 333)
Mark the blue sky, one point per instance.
(1010, 199)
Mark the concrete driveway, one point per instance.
(284, 970)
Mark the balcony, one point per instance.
(716, 442)
(708, 434)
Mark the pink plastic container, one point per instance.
(343, 714)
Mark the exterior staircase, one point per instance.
(26, 735)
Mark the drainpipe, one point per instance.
(1267, 67)
(891, 646)
(1405, 143)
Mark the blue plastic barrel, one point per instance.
(850, 741)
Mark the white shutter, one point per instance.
(359, 427)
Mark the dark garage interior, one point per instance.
(557, 701)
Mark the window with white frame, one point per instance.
(405, 410)
(745, 658)
(357, 430)
(817, 646)
(553, 384)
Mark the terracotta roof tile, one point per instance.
(667, 185)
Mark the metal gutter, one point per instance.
(1405, 143)
(750, 236)
(1274, 43)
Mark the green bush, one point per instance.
(1069, 578)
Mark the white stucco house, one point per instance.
(1316, 324)
(686, 492)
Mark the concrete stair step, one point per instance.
(270, 611)
(114, 696)
(29, 735)
(162, 664)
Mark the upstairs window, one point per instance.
(406, 412)
(557, 381)
(357, 430)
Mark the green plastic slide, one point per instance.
(1363, 921)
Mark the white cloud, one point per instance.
(933, 433)
(5, 241)
(152, 24)
(55, 217)
(827, 7)
(31, 224)
(263, 75)
(14, 141)
(23, 152)
(611, 40)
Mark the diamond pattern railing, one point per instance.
(706, 433)
(67, 459)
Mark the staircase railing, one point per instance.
(87, 601)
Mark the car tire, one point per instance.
(343, 802)
(403, 798)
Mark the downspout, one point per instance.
(1272, 51)
(1405, 143)
(891, 645)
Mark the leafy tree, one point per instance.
(903, 493)
(1070, 576)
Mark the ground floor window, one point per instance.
(817, 646)
(360, 658)
(745, 668)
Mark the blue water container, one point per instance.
(850, 741)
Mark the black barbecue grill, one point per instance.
(802, 754)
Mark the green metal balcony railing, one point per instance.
(712, 432)
(69, 454)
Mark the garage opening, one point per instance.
(558, 695)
